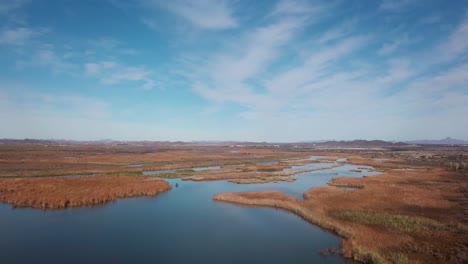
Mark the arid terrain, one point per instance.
(415, 211)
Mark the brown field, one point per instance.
(30, 174)
(57, 193)
(401, 216)
(56, 160)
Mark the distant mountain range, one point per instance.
(445, 141)
(323, 143)
(361, 143)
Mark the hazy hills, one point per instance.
(445, 141)
(323, 143)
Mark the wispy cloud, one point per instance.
(296, 7)
(323, 80)
(19, 35)
(395, 44)
(344, 29)
(319, 69)
(453, 78)
(205, 14)
(113, 73)
(225, 74)
(7, 6)
(456, 44)
(150, 23)
(396, 5)
(47, 57)
(111, 45)
(97, 68)
(229, 75)
(127, 74)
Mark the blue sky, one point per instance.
(285, 70)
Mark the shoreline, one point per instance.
(58, 193)
(377, 222)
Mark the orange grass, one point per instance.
(56, 193)
(42, 160)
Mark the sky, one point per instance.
(277, 71)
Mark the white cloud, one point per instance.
(456, 44)
(110, 45)
(342, 30)
(455, 77)
(151, 23)
(113, 73)
(19, 35)
(295, 7)
(328, 85)
(223, 77)
(47, 56)
(396, 5)
(97, 68)
(294, 65)
(127, 74)
(394, 45)
(313, 68)
(8, 6)
(344, 47)
(399, 70)
(205, 14)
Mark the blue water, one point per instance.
(316, 157)
(267, 163)
(307, 180)
(180, 226)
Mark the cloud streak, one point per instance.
(322, 82)
(396, 5)
(20, 35)
(8, 6)
(113, 73)
(204, 14)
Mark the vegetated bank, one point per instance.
(400, 216)
(59, 193)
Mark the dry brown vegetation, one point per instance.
(237, 164)
(238, 174)
(401, 216)
(56, 193)
(50, 160)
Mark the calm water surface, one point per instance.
(267, 163)
(180, 226)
